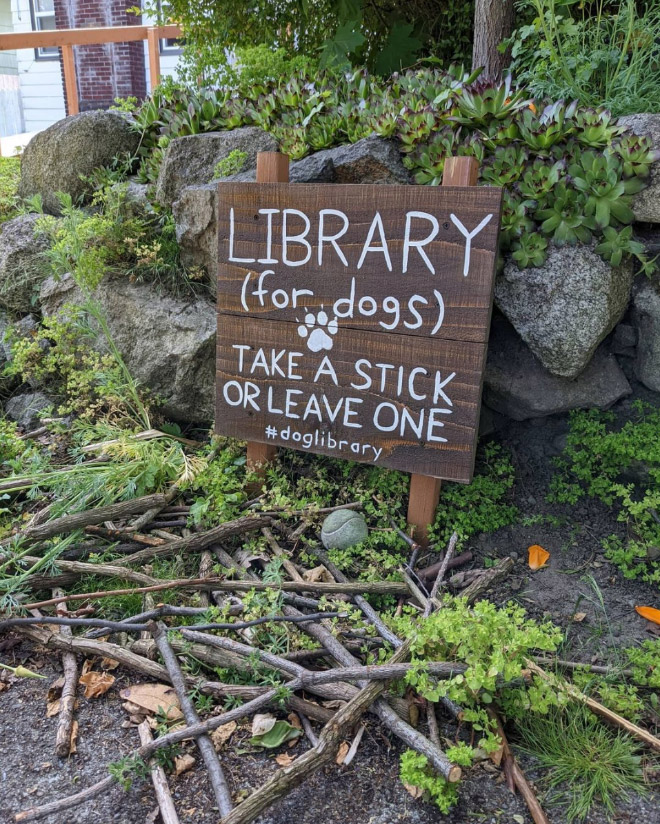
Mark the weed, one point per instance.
(586, 761)
(230, 165)
(10, 173)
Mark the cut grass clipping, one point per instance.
(586, 761)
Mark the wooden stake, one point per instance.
(272, 167)
(153, 47)
(425, 491)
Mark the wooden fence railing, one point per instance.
(66, 39)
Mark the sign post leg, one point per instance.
(272, 167)
(425, 491)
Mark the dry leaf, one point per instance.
(294, 720)
(55, 689)
(109, 664)
(579, 617)
(416, 792)
(319, 573)
(223, 734)
(497, 755)
(342, 753)
(96, 683)
(650, 613)
(150, 698)
(183, 763)
(537, 557)
(284, 759)
(74, 737)
(263, 723)
(52, 708)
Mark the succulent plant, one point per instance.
(530, 250)
(564, 217)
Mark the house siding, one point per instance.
(40, 80)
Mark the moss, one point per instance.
(10, 172)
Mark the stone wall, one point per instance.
(573, 333)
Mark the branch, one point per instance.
(163, 796)
(204, 743)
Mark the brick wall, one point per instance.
(108, 70)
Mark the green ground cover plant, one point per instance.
(599, 53)
(570, 172)
(619, 465)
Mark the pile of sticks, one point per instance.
(141, 531)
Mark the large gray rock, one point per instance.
(565, 308)
(646, 204)
(196, 221)
(25, 408)
(646, 317)
(370, 160)
(55, 159)
(517, 385)
(191, 160)
(23, 265)
(168, 343)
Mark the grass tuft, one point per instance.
(587, 761)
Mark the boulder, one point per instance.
(23, 265)
(191, 160)
(624, 340)
(196, 221)
(517, 385)
(371, 160)
(565, 308)
(646, 318)
(646, 204)
(55, 159)
(25, 408)
(167, 342)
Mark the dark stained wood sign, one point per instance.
(353, 320)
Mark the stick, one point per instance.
(205, 569)
(434, 730)
(280, 553)
(69, 523)
(104, 570)
(487, 579)
(459, 560)
(68, 697)
(362, 602)
(121, 626)
(161, 788)
(204, 743)
(199, 541)
(594, 706)
(441, 574)
(535, 809)
(372, 587)
(283, 781)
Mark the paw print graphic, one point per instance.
(317, 330)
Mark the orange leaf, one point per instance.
(96, 683)
(650, 613)
(537, 557)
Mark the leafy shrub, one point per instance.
(230, 165)
(594, 463)
(569, 172)
(604, 57)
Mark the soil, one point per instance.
(578, 579)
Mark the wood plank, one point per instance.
(420, 413)
(153, 48)
(82, 37)
(409, 300)
(70, 80)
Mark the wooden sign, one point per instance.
(353, 320)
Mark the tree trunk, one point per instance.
(493, 21)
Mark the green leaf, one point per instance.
(336, 51)
(399, 50)
(278, 734)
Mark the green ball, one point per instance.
(343, 528)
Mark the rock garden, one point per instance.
(270, 643)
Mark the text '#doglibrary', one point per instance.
(356, 315)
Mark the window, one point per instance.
(168, 45)
(43, 19)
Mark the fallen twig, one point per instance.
(489, 577)
(459, 560)
(441, 574)
(163, 796)
(204, 743)
(518, 777)
(68, 696)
